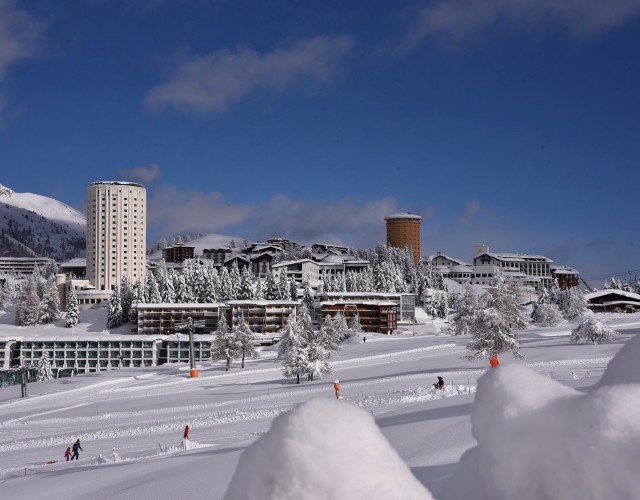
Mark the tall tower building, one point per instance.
(116, 233)
(404, 230)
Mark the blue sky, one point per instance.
(512, 124)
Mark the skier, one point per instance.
(76, 447)
(364, 339)
(493, 361)
(186, 432)
(336, 386)
(67, 454)
(439, 384)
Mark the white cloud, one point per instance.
(142, 174)
(452, 22)
(177, 212)
(358, 225)
(20, 33)
(213, 82)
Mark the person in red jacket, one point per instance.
(186, 432)
(336, 387)
(67, 454)
(493, 361)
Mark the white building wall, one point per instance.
(116, 233)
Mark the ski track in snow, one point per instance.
(265, 407)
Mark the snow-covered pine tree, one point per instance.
(547, 314)
(317, 360)
(126, 297)
(44, 367)
(73, 309)
(223, 345)
(136, 298)
(307, 295)
(244, 337)
(503, 300)
(463, 312)
(245, 288)
(354, 324)
(168, 292)
(592, 330)
(292, 349)
(328, 335)
(293, 290)
(492, 334)
(211, 287)
(153, 292)
(259, 292)
(234, 280)
(342, 329)
(114, 317)
(226, 292)
(28, 303)
(305, 324)
(183, 291)
(50, 303)
(576, 303)
(271, 291)
(283, 286)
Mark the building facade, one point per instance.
(116, 233)
(404, 230)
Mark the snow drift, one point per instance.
(540, 439)
(323, 449)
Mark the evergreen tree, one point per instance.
(354, 324)
(50, 303)
(293, 289)
(168, 291)
(224, 346)
(292, 349)
(245, 289)
(463, 312)
(211, 288)
(234, 281)
(28, 303)
(328, 335)
(503, 300)
(576, 303)
(114, 317)
(492, 334)
(259, 293)
(153, 292)
(342, 329)
(283, 286)
(183, 291)
(243, 338)
(162, 244)
(126, 297)
(136, 298)
(317, 360)
(305, 324)
(44, 368)
(226, 292)
(594, 331)
(271, 291)
(307, 295)
(73, 309)
(547, 314)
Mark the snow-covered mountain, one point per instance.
(32, 225)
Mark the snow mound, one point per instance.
(540, 439)
(323, 449)
(623, 368)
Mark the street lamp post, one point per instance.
(191, 325)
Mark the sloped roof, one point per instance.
(515, 257)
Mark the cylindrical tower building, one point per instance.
(404, 230)
(116, 233)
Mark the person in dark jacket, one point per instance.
(439, 384)
(76, 447)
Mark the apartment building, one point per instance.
(116, 233)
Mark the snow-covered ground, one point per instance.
(530, 431)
